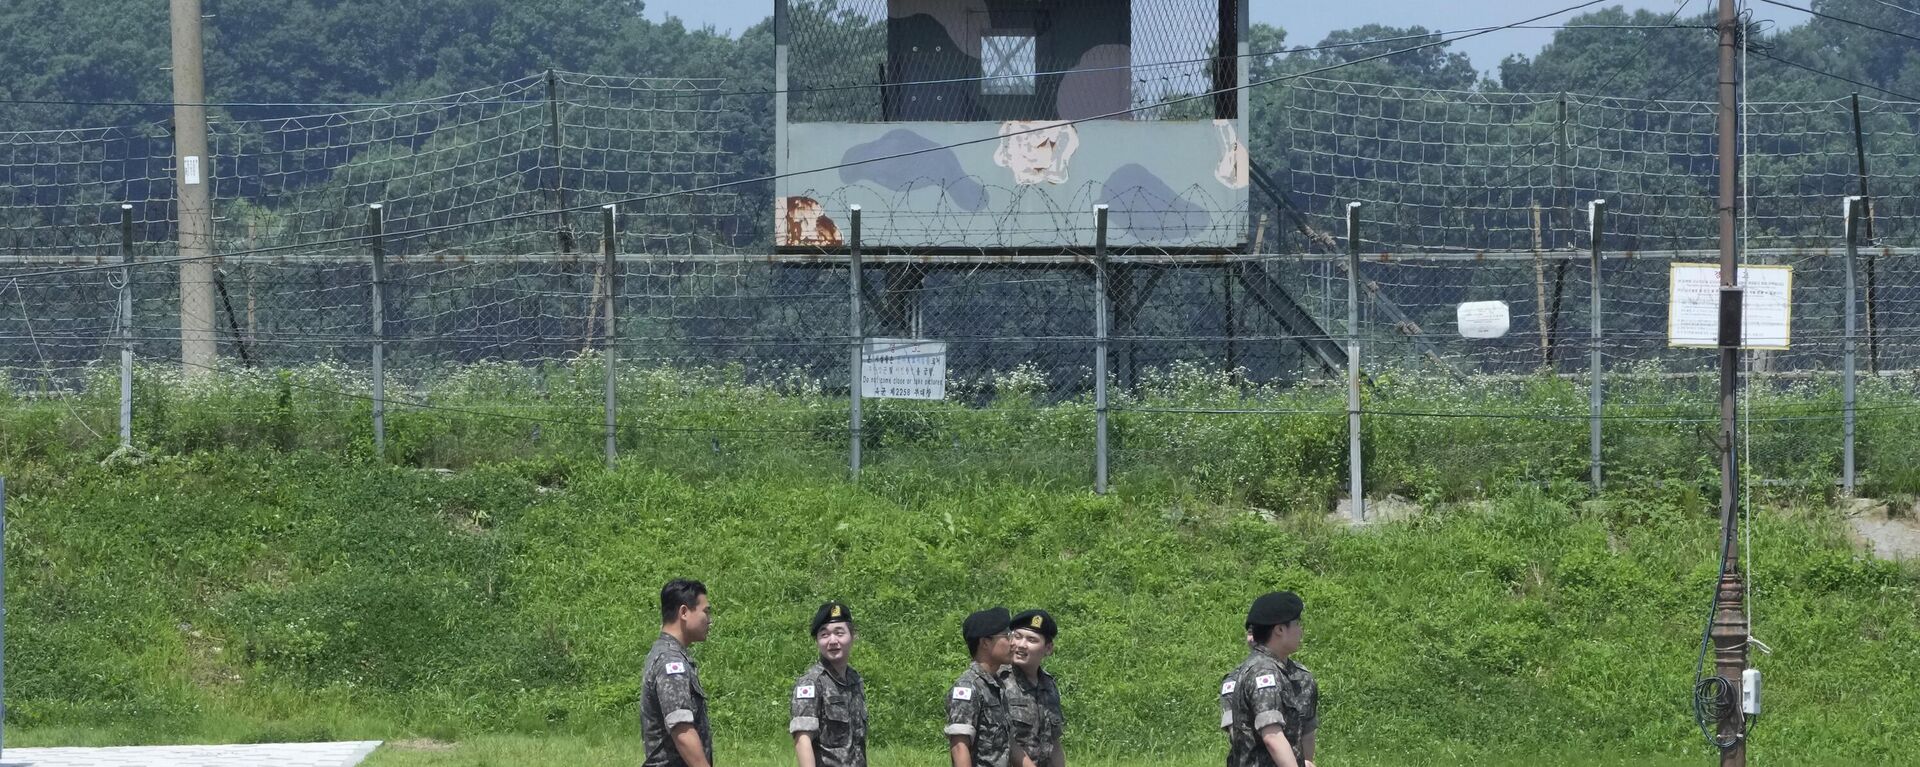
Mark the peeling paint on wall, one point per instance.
(1232, 170)
(1037, 151)
(803, 221)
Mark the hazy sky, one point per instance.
(1307, 22)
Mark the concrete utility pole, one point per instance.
(1729, 632)
(193, 182)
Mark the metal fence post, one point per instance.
(376, 236)
(855, 331)
(1355, 471)
(126, 325)
(609, 248)
(1100, 345)
(1850, 213)
(1596, 396)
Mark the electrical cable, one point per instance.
(1896, 7)
(1842, 78)
(441, 100)
(1831, 17)
(1513, 173)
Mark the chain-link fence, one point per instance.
(500, 299)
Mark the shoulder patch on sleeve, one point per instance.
(1264, 681)
(676, 667)
(804, 692)
(963, 693)
(1226, 688)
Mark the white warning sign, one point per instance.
(1766, 306)
(1483, 319)
(903, 368)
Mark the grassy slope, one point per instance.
(259, 596)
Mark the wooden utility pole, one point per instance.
(1729, 630)
(193, 183)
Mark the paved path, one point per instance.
(255, 755)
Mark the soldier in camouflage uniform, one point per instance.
(673, 706)
(1270, 705)
(829, 724)
(1032, 696)
(979, 733)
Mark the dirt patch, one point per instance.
(1883, 530)
(206, 662)
(1392, 508)
(421, 744)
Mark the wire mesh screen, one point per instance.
(495, 294)
(882, 60)
(1451, 171)
(58, 188)
(306, 179)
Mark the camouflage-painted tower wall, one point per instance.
(995, 126)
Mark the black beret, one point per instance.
(1039, 621)
(1274, 609)
(990, 622)
(831, 612)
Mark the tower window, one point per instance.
(1007, 60)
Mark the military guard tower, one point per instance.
(1008, 120)
(976, 132)
(995, 125)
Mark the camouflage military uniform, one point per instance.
(1035, 710)
(1264, 691)
(835, 713)
(977, 708)
(671, 696)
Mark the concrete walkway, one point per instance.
(252, 755)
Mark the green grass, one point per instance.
(284, 587)
(1184, 428)
(526, 751)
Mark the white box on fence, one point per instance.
(903, 368)
(1766, 307)
(1483, 319)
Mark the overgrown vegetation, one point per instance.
(257, 577)
(1279, 445)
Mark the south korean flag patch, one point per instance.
(803, 692)
(676, 667)
(1264, 681)
(1226, 688)
(963, 693)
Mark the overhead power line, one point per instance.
(1467, 32)
(1832, 17)
(1514, 173)
(1842, 78)
(1897, 8)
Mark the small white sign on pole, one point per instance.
(1483, 319)
(190, 169)
(903, 368)
(1693, 306)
